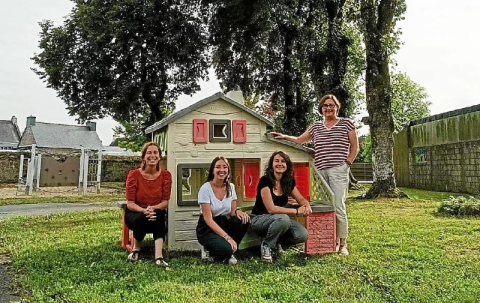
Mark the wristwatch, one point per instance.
(348, 163)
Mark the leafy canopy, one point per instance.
(122, 57)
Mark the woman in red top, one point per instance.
(148, 191)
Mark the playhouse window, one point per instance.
(189, 180)
(220, 130)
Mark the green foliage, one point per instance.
(409, 100)
(288, 54)
(400, 252)
(461, 206)
(409, 103)
(122, 58)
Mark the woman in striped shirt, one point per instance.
(336, 146)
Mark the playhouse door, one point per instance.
(302, 179)
(247, 175)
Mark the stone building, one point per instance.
(440, 152)
(9, 134)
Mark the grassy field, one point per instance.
(401, 251)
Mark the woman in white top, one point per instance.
(221, 226)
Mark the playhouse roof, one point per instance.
(49, 135)
(160, 124)
(291, 144)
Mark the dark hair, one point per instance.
(325, 98)
(210, 174)
(144, 152)
(287, 177)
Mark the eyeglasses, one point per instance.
(328, 106)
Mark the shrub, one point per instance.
(461, 206)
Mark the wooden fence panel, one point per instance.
(362, 171)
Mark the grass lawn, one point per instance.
(401, 251)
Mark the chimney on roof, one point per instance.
(31, 121)
(92, 126)
(236, 95)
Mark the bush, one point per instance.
(461, 206)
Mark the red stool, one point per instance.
(128, 241)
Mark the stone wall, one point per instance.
(448, 167)
(9, 163)
(114, 168)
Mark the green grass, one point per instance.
(401, 251)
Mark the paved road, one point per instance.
(9, 211)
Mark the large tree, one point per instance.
(122, 57)
(409, 103)
(288, 52)
(378, 19)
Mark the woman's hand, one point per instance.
(304, 210)
(278, 135)
(150, 213)
(243, 216)
(232, 243)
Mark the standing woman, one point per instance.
(221, 226)
(270, 218)
(336, 146)
(148, 191)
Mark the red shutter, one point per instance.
(239, 131)
(302, 179)
(251, 172)
(200, 131)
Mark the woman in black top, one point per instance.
(270, 218)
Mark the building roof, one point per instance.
(118, 151)
(49, 135)
(8, 132)
(445, 115)
(218, 96)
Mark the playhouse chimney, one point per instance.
(237, 96)
(31, 121)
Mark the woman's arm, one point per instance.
(352, 138)
(207, 216)
(303, 138)
(272, 208)
(307, 210)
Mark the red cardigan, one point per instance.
(148, 192)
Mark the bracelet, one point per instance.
(236, 211)
(226, 237)
(348, 163)
(297, 212)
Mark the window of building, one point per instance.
(220, 130)
(189, 180)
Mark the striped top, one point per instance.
(332, 146)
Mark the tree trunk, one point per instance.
(378, 96)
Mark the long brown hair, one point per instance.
(287, 177)
(144, 152)
(226, 181)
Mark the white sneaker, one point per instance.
(232, 260)
(337, 247)
(343, 251)
(266, 253)
(205, 254)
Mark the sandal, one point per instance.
(134, 255)
(161, 262)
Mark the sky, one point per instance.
(440, 52)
